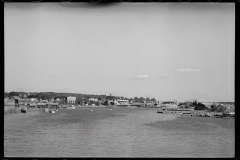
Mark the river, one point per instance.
(120, 132)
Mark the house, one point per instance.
(51, 99)
(61, 100)
(57, 100)
(17, 99)
(33, 99)
(9, 102)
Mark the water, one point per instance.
(129, 133)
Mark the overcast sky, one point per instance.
(164, 51)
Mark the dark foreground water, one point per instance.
(129, 133)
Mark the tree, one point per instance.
(141, 99)
(6, 95)
(153, 99)
(147, 99)
(136, 99)
(13, 94)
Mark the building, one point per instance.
(47, 105)
(122, 102)
(199, 106)
(9, 102)
(230, 109)
(52, 105)
(93, 99)
(51, 100)
(57, 100)
(17, 99)
(71, 100)
(41, 105)
(169, 104)
(61, 100)
(34, 100)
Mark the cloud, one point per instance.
(141, 77)
(188, 70)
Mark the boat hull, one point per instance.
(23, 111)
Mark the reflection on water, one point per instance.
(120, 132)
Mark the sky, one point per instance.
(166, 51)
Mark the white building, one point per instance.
(71, 99)
(93, 99)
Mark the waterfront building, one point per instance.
(71, 100)
(199, 106)
(41, 105)
(52, 105)
(9, 102)
(169, 104)
(93, 99)
(122, 102)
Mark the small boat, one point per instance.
(70, 107)
(227, 117)
(56, 110)
(160, 111)
(46, 110)
(218, 116)
(179, 113)
(51, 111)
(110, 109)
(207, 115)
(23, 110)
(186, 114)
(91, 110)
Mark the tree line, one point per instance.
(79, 97)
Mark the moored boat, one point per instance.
(46, 110)
(186, 114)
(70, 108)
(179, 113)
(227, 117)
(23, 110)
(218, 116)
(51, 111)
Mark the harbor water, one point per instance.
(120, 132)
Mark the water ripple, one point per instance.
(129, 133)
